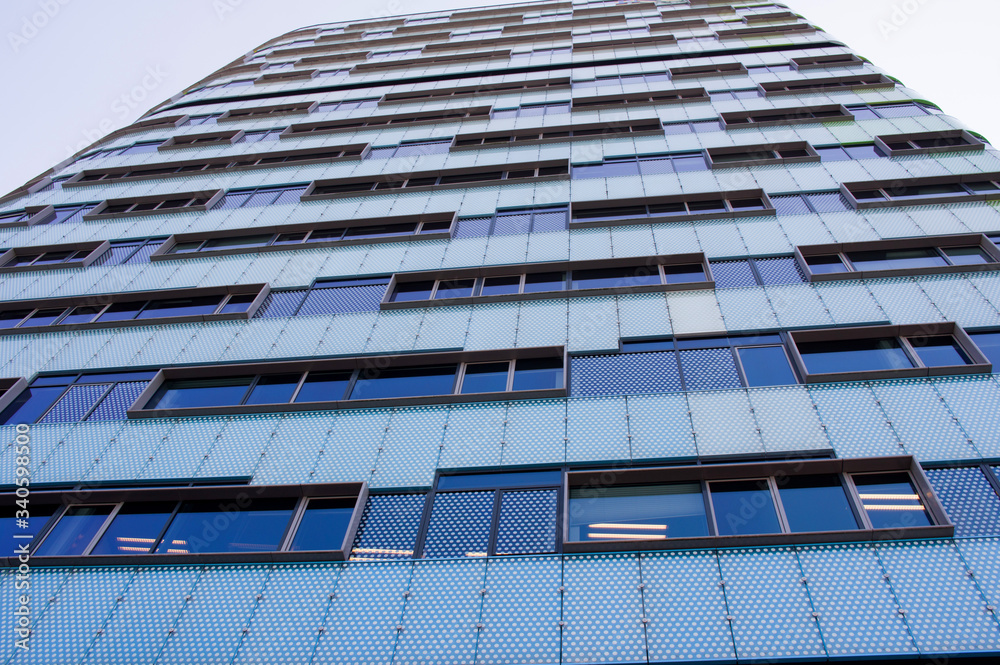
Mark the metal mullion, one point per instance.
(680, 365)
(292, 526)
(753, 266)
(26, 317)
(355, 375)
(97, 402)
(859, 506)
(54, 402)
(298, 307)
(104, 527)
(910, 352)
(779, 509)
(298, 387)
(706, 494)
(459, 378)
(434, 289)
(856, 507)
(166, 525)
(253, 384)
(425, 520)
(739, 364)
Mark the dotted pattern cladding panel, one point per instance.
(709, 369)
(389, 526)
(460, 524)
(527, 522)
(969, 499)
(342, 299)
(625, 373)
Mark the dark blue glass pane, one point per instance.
(853, 355)
(890, 500)
(80, 315)
(44, 317)
(832, 154)
(861, 151)
(11, 318)
(405, 382)
(863, 113)
(109, 377)
(134, 529)
(744, 507)
(30, 405)
(410, 291)
(459, 288)
(615, 277)
(460, 525)
(211, 526)
(733, 274)
(647, 345)
(237, 304)
(485, 378)
(894, 259)
(816, 503)
(496, 286)
(200, 392)
(820, 265)
(124, 311)
(180, 307)
(710, 369)
(684, 273)
(75, 404)
(500, 480)
(780, 270)
(324, 387)
(940, 351)
(74, 531)
(766, 366)
(276, 389)
(989, 344)
(828, 202)
(544, 281)
(965, 256)
(11, 532)
(389, 526)
(324, 525)
(548, 222)
(538, 374)
(647, 512)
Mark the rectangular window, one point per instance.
(260, 196)
(325, 189)
(644, 164)
(750, 202)
(528, 110)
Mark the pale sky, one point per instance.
(73, 70)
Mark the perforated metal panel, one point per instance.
(944, 608)
(624, 373)
(535, 433)
(643, 315)
(602, 609)
(709, 369)
(854, 421)
(77, 454)
(388, 528)
(593, 324)
(660, 427)
(366, 609)
(787, 419)
(596, 429)
(858, 613)
(695, 312)
(685, 606)
(798, 306)
(74, 404)
(975, 401)
(411, 448)
(922, 420)
(723, 423)
(473, 434)
(211, 623)
(542, 323)
(771, 611)
(733, 274)
(746, 309)
(492, 326)
(521, 611)
(969, 499)
(780, 270)
(118, 400)
(459, 525)
(285, 623)
(441, 613)
(294, 448)
(903, 301)
(527, 522)
(850, 302)
(351, 451)
(183, 449)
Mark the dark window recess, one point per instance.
(644, 164)
(69, 214)
(805, 204)
(16, 217)
(326, 297)
(162, 205)
(493, 514)
(125, 311)
(633, 99)
(134, 149)
(422, 180)
(737, 273)
(666, 210)
(839, 153)
(128, 252)
(768, 69)
(624, 79)
(904, 110)
(925, 188)
(389, 527)
(825, 84)
(357, 123)
(931, 141)
(260, 135)
(411, 149)
(514, 222)
(784, 116)
(881, 353)
(264, 111)
(207, 119)
(348, 105)
(896, 259)
(566, 50)
(260, 196)
(688, 364)
(555, 133)
(46, 259)
(528, 110)
(76, 397)
(758, 153)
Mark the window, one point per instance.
(742, 156)
(263, 111)
(928, 142)
(793, 502)
(377, 34)
(827, 61)
(922, 191)
(989, 345)
(76, 397)
(50, 259)
(326, 297)
(838, 153)
(804, 204)
(641, 98)
(532, 110)
(260, 196)
(603, 215)
(567, 133)
(788, 116)
(493, 514)
(475, 34)
(294, 237)
(710, 363)
(918, 255)
(698, 71)
(648, 272)
(408, 119)
(886, 352)
(695, 126)
(410, 149)
(725, 95)
(329, 73)
(341, 382)
(644, 164)
(69, 214)
(348, 105)
(622, 79)
(736, 273)
(565, 50)
(118, 525)
(134, 149)
(129, 252)
(449, 177)
(904, 110)
(207, 119)
(514, 222)
(768, 69)
(14, 218)
(393, 55)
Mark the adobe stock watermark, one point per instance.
(900, 15)
(122, 107)
(32, 24)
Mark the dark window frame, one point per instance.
(558, 134)
(727, 198)
(773, 471)
(884, 191)
(760, 155)
(944, 141)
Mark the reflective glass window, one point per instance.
(816, 503)
(744, 507)
(820, 265)
(135, 528)
(684, 273)
(409, 291)
(324, 387)
(495, 286)
(122, 311)
(80, 315)
(212, 526)
(44, 317)
(200, 392)
(939, 351)
(323, 525)
(766, 366)
(989, 344)
(404, 382)
(10, 529)
(180, 307)
(458, 288)
(273, 389)
(74, 531)
(544, 281)
(10, 318)
(485, 378)
(890, 500)
(30, 405)
(963, 256)
(538, 374)
(853, 355)
(637, 512)
(615, 277)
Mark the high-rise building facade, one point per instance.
(557, 332)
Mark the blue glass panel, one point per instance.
(211, 526)
(389, 526)
(405, 382)
(816, 503)
(890, 500)
(939, 351)
(75, 404)
(485, 378)
(527, 523)
(895, 259)
(459, 525)
(969, 500)
(134, 529)
(30, 405)
(783, 270)
(200, 392)
(989, 344)
(766, 366)
(732, 274)
(324, 387)
(39, 517)
(647, 512)
(626, 373)
(709, 369)
(115, 404)
(853, 356)
(744, 507)
(538, 374)
(74, 531)
(274, 389)
(323, 525)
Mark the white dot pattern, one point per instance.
(969, 500)
(527, 523)
(388, 528)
